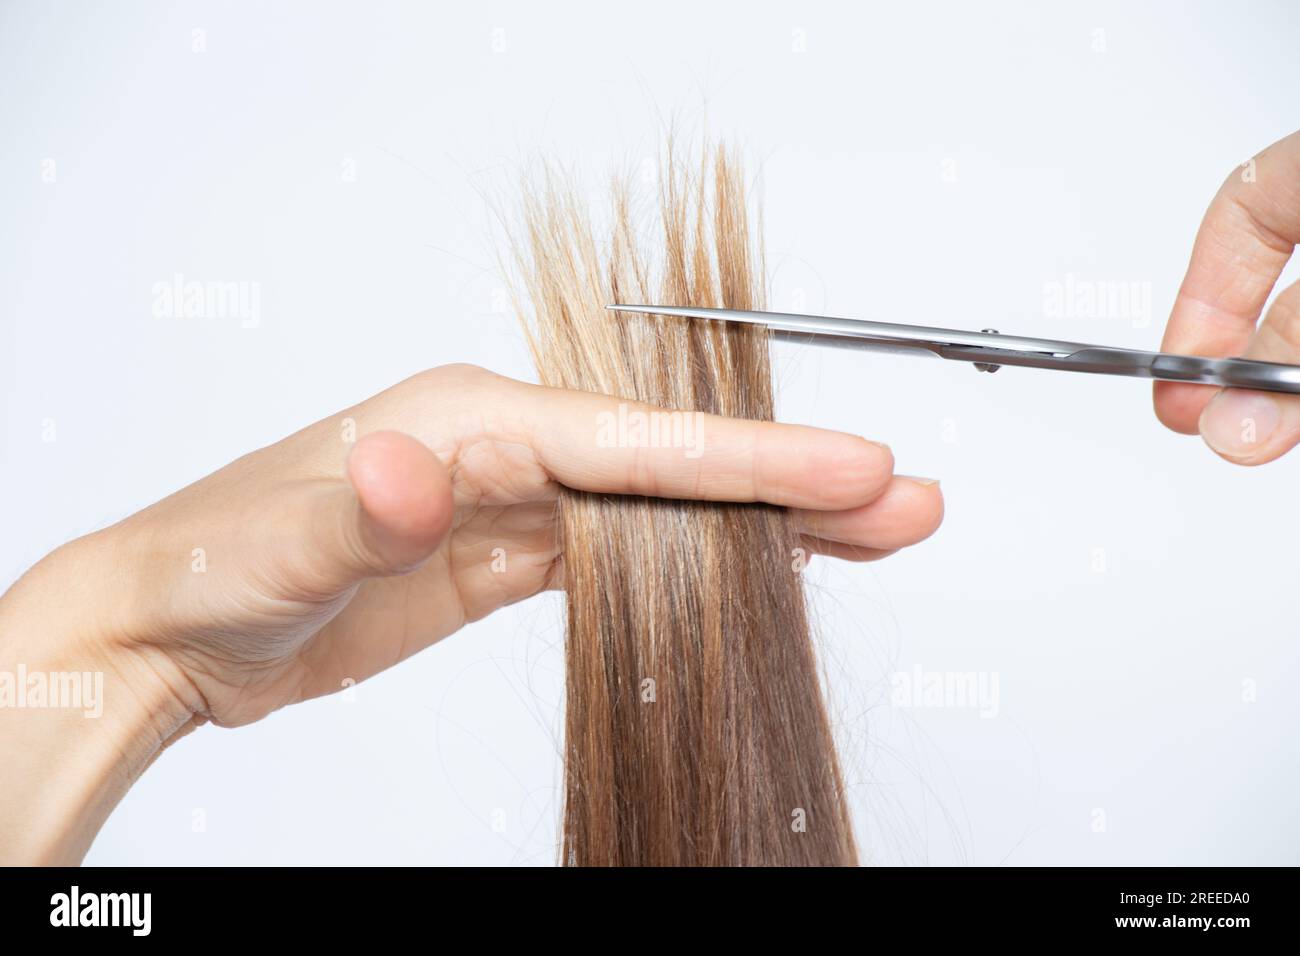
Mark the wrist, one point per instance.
(84, 708)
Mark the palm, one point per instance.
(500, 554)
(302, 638)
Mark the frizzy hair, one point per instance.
(695, 731)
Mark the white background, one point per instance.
(936, 164)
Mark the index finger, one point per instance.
(1245, 240)
(599, 443)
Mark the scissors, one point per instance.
(989, 350)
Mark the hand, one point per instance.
(1249, 233)
(364, 538)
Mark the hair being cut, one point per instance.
(695, 731)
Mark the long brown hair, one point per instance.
(695, 728)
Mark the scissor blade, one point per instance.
(990, 350)
(886, 333)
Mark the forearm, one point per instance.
(80, 717)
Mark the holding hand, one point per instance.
(316, 562)
(1249, 233)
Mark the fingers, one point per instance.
(1245, 240)
(846, 552)
(602, 444)
(1251, 428)
(392, 515)
(909, 511)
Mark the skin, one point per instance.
(326, 560)
(1249, 233)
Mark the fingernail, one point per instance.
(1237, 424)
(917, 479)
(878, 444)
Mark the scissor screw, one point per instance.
(988, 366)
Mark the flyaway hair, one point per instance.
(695, 731)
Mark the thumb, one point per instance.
(1249, 427)
(396, 511)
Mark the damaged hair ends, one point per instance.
(695, 729)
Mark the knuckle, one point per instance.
(1283, 322)
(465, 396)
(457, 376)
(642, 474)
